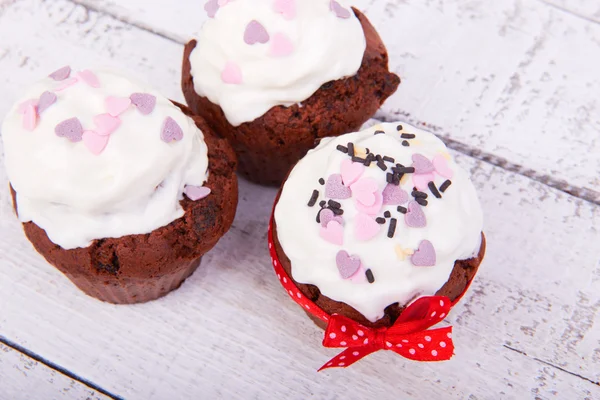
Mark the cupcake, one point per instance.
(273, 76)
(116, 186)
(377, 234)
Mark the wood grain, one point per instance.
(528, 328)
(24, 378)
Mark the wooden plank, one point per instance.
(499, 77)
(22, 377)
(230, 330)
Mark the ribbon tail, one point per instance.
(349, 357)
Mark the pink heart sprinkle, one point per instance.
(94, 142)
(116, 106)
(144, 102)
(211, 7)
(23, 106)
(30, 118)
(365, 227)
(196, 193)
(61, 74)
(441, 166)
(351, 171)
(232, 74)
(223, 2)
(255, 33)
(364, 190)
(359, 276)
(335, 189)
(347, 265)
(65, 84)
(422, 164)
(420, 181)
(46, 100)
(106, 124)
(326, 215)
(339, 11)
(171, 131)
(394, 195)
(90, 78)
(286, 7)
(372, 209)
(415, 217)
(70, 129)
(281, 46)
(425, 255)
(333, 233)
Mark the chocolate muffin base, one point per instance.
(462, 273)
(270, 145)
(140, 268)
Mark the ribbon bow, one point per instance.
(408, 337)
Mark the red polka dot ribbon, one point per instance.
(409, 337)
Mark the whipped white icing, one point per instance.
(132, 187)
(308, 45)
(453, 222)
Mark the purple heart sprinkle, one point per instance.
(70, 129)
(421, 164)
(255, 32)
(415, 217)
(393, 195)
(335, 189)
(425, 255)
(171, 131)
(339, 11)
(45, 101)
(144, 102)
(347, 265)
(211, 7)
(61, 74)
(326, 216)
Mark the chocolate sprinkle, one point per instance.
(351, 149)
(342, 148)
(322, 181)
(379, 132)
(404, 170)
(389, 177)
(434, 190)
(402, 210)
(382, 165)
(370, 276)
(392, 228)
(421, 201)
(322, 203)
(416, 194)
(407, 136)
(358, 160)
(313, 198)
(445, 186)
(334, 204)
(380, 220)
(399, 127)
(405, 143)
(337, 211)
(387, 214)
(389, 159)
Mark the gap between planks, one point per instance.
(57, 368)
(569, 11)
(582, 193)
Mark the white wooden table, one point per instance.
(513, 86)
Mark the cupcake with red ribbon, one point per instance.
(116, 186)
(272, 76)
(377, 234)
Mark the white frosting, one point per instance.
(325, 48)
(454, 225)
(133, 187)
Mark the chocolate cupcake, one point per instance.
(117, 187)
(370, 223)
(273, 76)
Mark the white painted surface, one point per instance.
(22, 378)
(231, 331)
